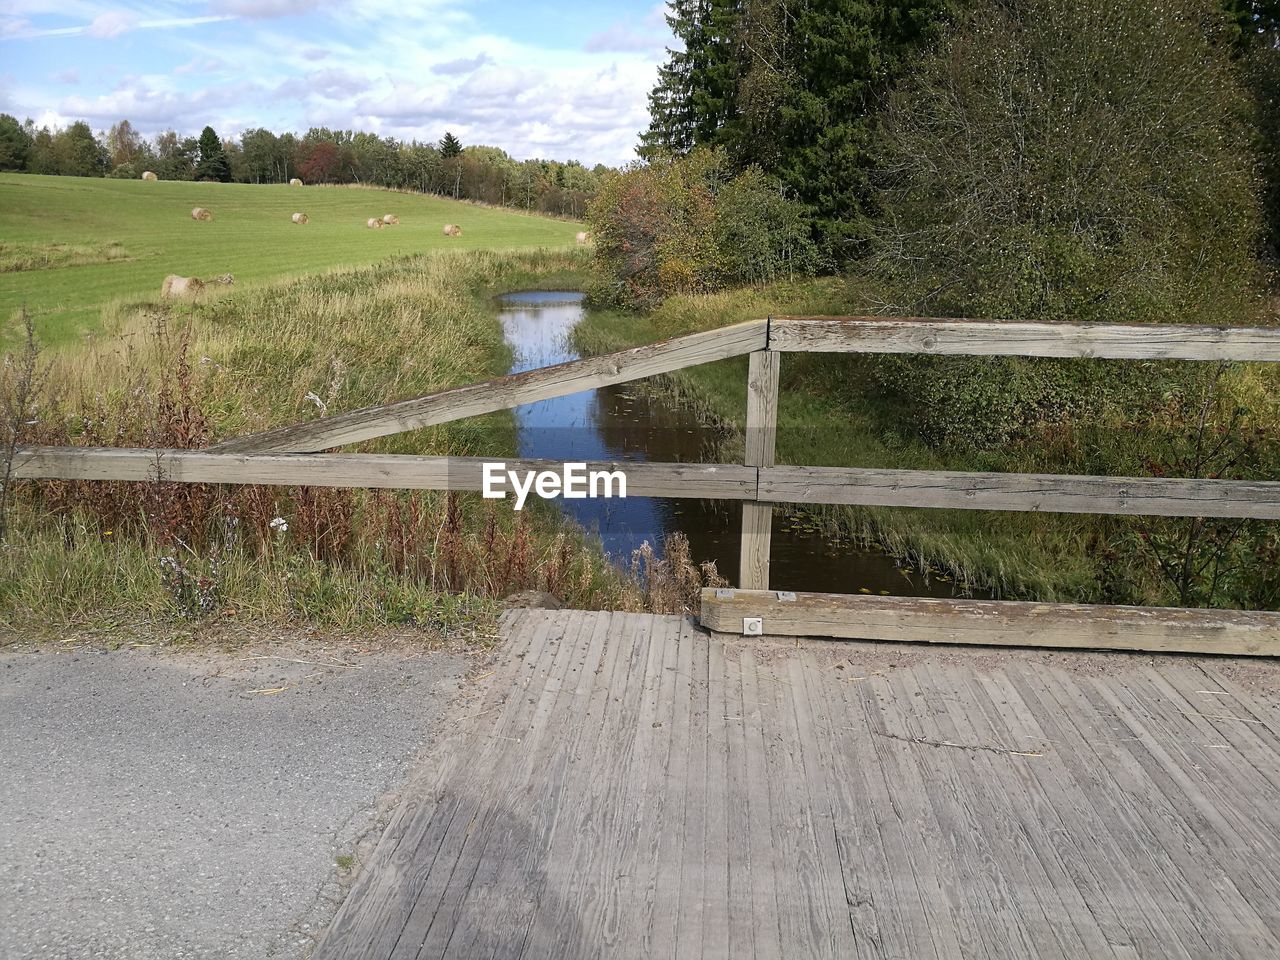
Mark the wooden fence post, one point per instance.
(762, 423)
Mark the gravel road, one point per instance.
(198, 805)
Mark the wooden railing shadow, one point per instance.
(292, 456)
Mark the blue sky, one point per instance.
(564, 80)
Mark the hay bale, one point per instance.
(148, 175)
(295, 182)
(584, 237)
(452, 230)
(300, 218)
(373, 223)
(200, 213)
(390, 219)
(175, 286)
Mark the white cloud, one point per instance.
(408, 70)
(462, 65)
(269, 9)
(111, 24)
(69, 76)
(621, 37)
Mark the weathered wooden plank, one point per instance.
(1000, 622)
(504, 895)
(570, 828)
(1005, 338)
(1048, 493)
(1094, 863)
(597, 894)
(1017, 922)
(1116, 832)
(447, 864)
(998, 783)
(760, 446)
(664, 934)
(393, 471)
(769, 877)
(645, 795)
(1212, 869)
(371, 919)
(694, 897)
(474, 399)
(723, 899)
(803, 682)
(886, 837)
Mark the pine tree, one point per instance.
(815, 102)
(212, 163)
(791, 86)
(695, 100)
(450, 146)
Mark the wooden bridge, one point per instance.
(628, 786)
(623, 785)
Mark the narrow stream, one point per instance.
(620, 423)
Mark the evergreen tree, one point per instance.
(1258, 22)
(695, 100)
(450, 146)
(792, 86)
(213, 164)
(817, 74)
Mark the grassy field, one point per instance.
(71, 246)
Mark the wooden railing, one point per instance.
(291, 456)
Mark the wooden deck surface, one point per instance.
(622, 785)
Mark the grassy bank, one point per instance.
(831, 415)
(188, 374)
(71, 245)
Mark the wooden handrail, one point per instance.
(503, 393)
(717, 481)
(1041, 493)
(1007, 338)
(288, 455)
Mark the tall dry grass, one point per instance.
(185, 376)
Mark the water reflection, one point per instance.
(624, 423)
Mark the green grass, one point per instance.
(73, 246)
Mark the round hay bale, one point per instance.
(300, 218)
(200, 213)
(452, 230)
(390, 219)
(176, 286)
(148, 175)
(373, 223)
(584, 237)
(295, 182)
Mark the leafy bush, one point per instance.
(759, 233)
(684, 226)
(1069, 161)
(1085, 162)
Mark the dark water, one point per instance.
(622, 423)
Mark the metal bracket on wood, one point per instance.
(723, 593)
(752, 626)
(786, 596)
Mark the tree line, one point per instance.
(321, 155)
(800, 90)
